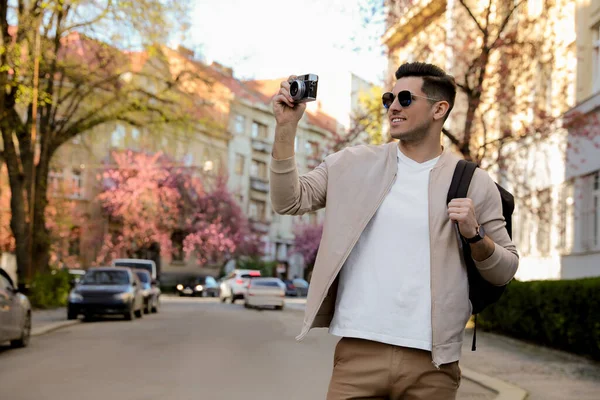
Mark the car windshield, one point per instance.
(145, 278)
(106, 278)
(145, 266)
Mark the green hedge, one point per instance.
(561, 314)
(49, 290)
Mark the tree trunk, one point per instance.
(41, 235)
(19, 225)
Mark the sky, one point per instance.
(268, 39)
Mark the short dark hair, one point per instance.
(437, 84)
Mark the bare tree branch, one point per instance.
(450, 136)
(473, 17)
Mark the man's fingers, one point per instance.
(286, 93)
(282, 99)
(458, 209)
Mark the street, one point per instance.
(193, 349)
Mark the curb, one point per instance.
(505, 391)
(52, 327)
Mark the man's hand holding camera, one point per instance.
(288, 107)
(287, 111)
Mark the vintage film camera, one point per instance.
(304, 88)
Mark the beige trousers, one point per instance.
(364, 369)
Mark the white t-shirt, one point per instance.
(384, 291)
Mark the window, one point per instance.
(5, 283)
(258, 169)
(74, 241)
(544, 222)
(596, 59)
(240, 160)
(566, 218)
(55, 180)
(239, 123)
(259, 131)
(177, 240)
(76, 183)
(257, 210)
(312, 148)
(596, 210)
(188, 160)
(117, 138)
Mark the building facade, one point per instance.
(517, 129)
(582, 253)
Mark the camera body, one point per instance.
(304, 88)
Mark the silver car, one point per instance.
(233, 286)
(15, 313)
(265, 292)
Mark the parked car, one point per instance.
(76, 275)
(15, 313)
(204, 286)
(296, 287)
(150, 291)
(233, 286)
(265, 292)
(137, 263)
(107, 290)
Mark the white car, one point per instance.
(265, 292)
(233, 286)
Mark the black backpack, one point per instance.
(481, 292)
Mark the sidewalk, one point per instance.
(44, 321)
(544, 373)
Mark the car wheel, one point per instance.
(279, 307)
(130, 315)
(23, 341)
(71, 314)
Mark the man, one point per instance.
(389, 278)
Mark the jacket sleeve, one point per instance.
(501, 266)
(292, 194)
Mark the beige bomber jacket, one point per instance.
(351, 184)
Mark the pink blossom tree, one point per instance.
(306, 242)
(147, 198)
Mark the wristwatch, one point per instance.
(479, 236)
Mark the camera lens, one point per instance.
(297, 90)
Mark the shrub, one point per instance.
(561, 314)
(50, 289)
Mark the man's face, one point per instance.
(410, 123)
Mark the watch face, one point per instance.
(481, 231)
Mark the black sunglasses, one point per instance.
(405, 98)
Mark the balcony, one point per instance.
(259, 145)
(259, 184)
(405, 19)
(259, 226)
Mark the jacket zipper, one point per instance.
(337, 269)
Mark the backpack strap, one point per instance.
(459, 187)
(461, 180)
